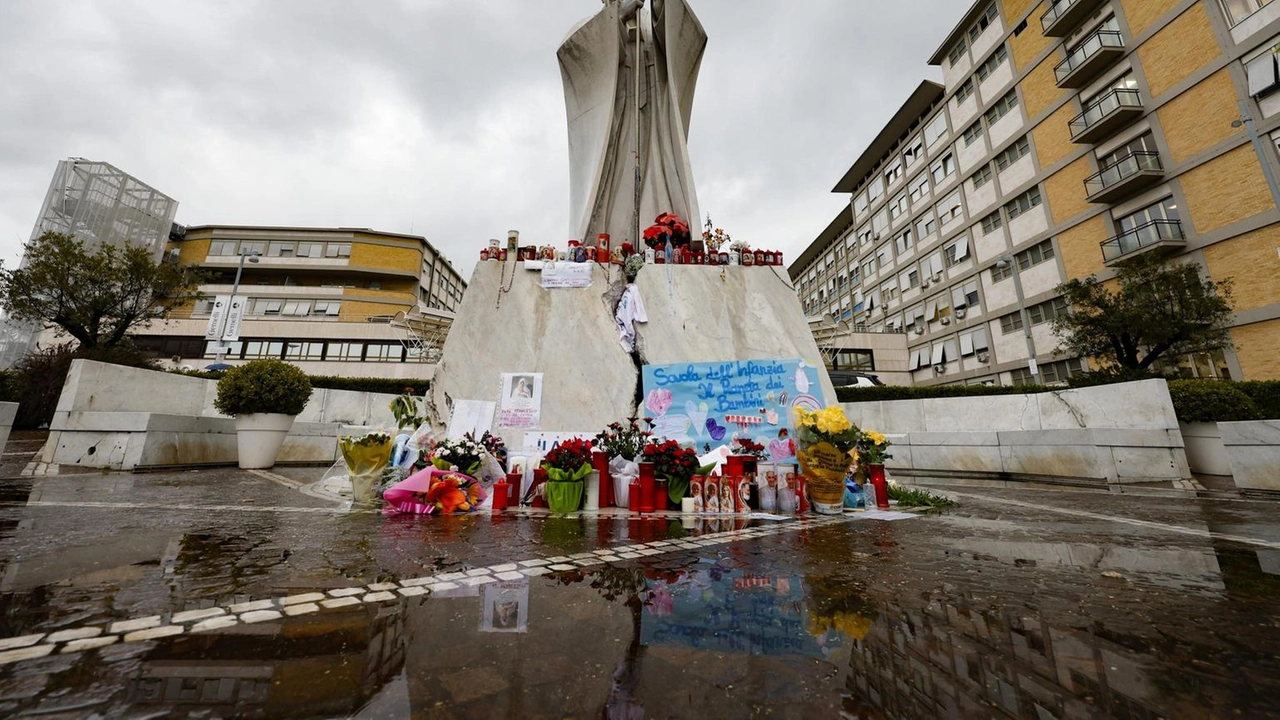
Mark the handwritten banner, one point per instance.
(709, 403)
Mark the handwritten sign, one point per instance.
(707, 403)
(566, 275)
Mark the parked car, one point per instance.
(845, 378)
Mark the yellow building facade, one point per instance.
(1068, 137)
(335, 301)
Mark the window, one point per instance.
(950, 210)
(934, 131)
(1046, 311)
(280, 249)
(1054, 372)
(937, 308)
(974, 342)
(910, 279)
(853, 360)
(235, 351)
(1166, 209)
(296, 308)
(965, 91)
(944, 168)
(958, 251)
(1035, 255)
(988, 17)
(879, 224)
(249, 247)
(919, 187)
(869, 267)
(314, 250)
(260, 349)
(384, 352)
(337, 250)
(1011, 322)
(1001, 272)
(898, 207)
(966, 295)
(982, 177)
(345, 351)
(904, 241)
(914, 151)
(203, 307)
(972, 133)
(926, 226)
(1013, 153)
(304, 351)
(991, 64)
(1023, 203)
(893, 173)
(884, 256)
(1238, 10)
(1002, 107)
(222, 248)
(1143, 145)
(860, 203)
(957, 52)
(889, 291)
(267, 307)
(992, 222)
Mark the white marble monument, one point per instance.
(615, 113)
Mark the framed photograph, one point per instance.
(523, 463)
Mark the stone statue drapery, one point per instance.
(597, 64)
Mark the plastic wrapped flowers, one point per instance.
(366, 457)
(435, 492)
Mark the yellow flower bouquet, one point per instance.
(827, 445)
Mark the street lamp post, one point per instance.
(252, 256)
(1009, 262)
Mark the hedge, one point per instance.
(389, 386)
(1211, 401)
(1265, 395)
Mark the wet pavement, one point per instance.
(223, 593)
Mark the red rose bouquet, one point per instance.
(570, 461)
(677, 464)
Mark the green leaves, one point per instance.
(95, 295)
(263, 386)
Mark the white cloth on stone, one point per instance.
(630, 311)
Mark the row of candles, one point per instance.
(737, 490)
(693, 254)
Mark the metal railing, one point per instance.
(1056, 11)
(1104, 106)
(1092, 45)
(1123, 169)
(1142, 236)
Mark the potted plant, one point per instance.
(828, 445)
(567, 465)
(676, 464)
(264, 396)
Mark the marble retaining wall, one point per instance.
(1253, 449)
(1116, 434)
(122, 418)
(8, 411)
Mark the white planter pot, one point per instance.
(1205, 452)
(259, 437)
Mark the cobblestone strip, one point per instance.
(154, 627)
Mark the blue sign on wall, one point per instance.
(708, 403)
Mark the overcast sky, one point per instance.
(444, 118)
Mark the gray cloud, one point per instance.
(440, 117)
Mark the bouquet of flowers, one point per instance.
(435, 492)
(366, 456)
(677, 464)
(873, 448)
(566, 465)
(624, 441)
(493, 445)
(716, 239)
(569, 461)
(828, 445)
(667, 229)
(465, 455)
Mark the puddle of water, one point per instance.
(869, 619)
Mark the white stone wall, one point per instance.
(1254, 452)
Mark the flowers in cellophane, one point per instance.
(828, 444)
(366, 457)
(465, 455)
(435, 492)
(667, 229)
(570, 461)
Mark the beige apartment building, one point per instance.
(1067, 138)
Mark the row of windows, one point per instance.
(975, 31)
(313, 350)
(1054, 372)
(949, 350)
(273, 248)
(280, 306)
(1038, 314)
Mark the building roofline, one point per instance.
(843, 221)
(975, 11)
(298, 228)
(925, 96)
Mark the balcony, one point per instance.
(1126, 178)
(1157, 235)
(1063, 16)
(1089, 59)
(1106, 116)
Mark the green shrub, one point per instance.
(899, 392)
(1211, 401)
(1265, 395)
(388, 386)
(263, 386)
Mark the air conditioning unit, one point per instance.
(960, 313)
(983, 357)
(924, 284)
(919, 329)
(946, 320)
(939, 369)
(937, 277)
